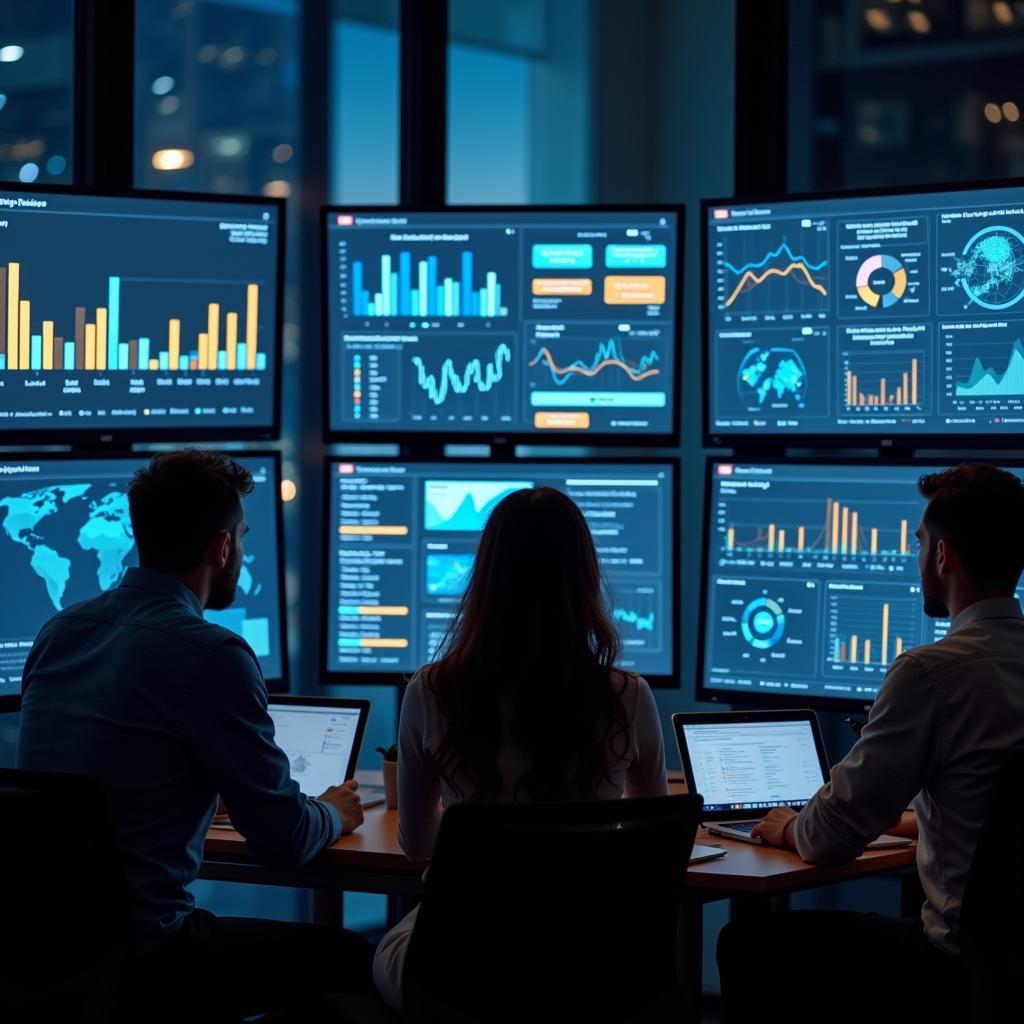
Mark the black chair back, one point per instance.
(67, 913)
(553, 911)
(991, 916)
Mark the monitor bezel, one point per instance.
(684, 718)
(93, 437)
(438, 438)
(750, 699)
(764, 439)
(275, 684)
(296, 700)
(361, 677)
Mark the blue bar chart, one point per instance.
(423, 293)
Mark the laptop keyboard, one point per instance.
(742, 826)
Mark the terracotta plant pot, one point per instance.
(390, 784)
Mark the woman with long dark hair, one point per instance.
(524, 701)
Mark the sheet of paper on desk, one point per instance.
(703, 853)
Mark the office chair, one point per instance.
(68, 917)
(992, 939)
(553, 912)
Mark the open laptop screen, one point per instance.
(753, 766)
(320, 743)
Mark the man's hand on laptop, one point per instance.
(775, 828)
(345, 800)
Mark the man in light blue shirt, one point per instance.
(136, 689)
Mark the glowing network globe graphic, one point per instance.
(990, 269)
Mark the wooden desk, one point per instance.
(751, 870)
(370, 860)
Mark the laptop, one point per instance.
(744, 763)
(322, 738)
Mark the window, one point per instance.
(364, 102)
(216, 95)
(518, 89)
(900, 92)
(36, 91)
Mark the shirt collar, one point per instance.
(153, 579)
(993, 608)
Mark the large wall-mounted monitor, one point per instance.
(811, 586)
(522, 323)
(65, 536)
(139, 316)
(868, 316)
(401, 538)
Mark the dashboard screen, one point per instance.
(138, 314)
(880, 315)
(65, 536)
(520, 322)
(403, 537)
(813, 586)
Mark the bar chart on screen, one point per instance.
(92, 339)
(869, 625)
(454, 275)
(140, 313)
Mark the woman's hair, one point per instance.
(531, 649)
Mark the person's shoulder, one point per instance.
(419, 690)
(99, 607)
(944, 658)
(628, 682)
(631, 688)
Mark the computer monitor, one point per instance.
(876, 315)
(402, 537)
(138, 316)
(536, 323)
(811, 586)
(65, 536)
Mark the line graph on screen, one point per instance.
(609, 355)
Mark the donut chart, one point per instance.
(763, 622)
(873, 285)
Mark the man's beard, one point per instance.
(222, 592)
(934, 600)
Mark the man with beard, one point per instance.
(944, 719)
(136, 689)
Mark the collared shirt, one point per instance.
(167, 710)
(944, 719)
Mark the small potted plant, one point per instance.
(390, 766)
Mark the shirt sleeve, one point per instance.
(419, 787)
(233, 735)
(885, 770)
(646, 775)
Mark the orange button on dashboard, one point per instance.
(561, 420)
(622, 290)
(562, 286)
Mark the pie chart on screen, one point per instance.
(881, 281)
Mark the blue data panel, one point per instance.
(514, 322)
(899, 314)
(813, 587)
(65, 536)
(141, 315)
(404, 536)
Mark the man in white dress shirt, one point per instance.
(945, 717)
